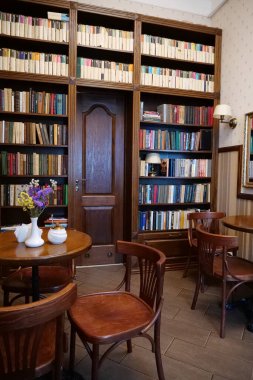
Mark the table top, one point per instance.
(242, 223)
(13, 252)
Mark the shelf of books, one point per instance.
(33, 105)
(104, 52)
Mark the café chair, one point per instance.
(118, 316)
(215, 260)
(52, 279)
(31, 336)
(211, 221)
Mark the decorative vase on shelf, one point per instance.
(34, 240)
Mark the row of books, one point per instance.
(175, 78)
(251, 144)
(34, 27)
(153, 194)
(33, 164)
(33, 62)
(96, 69)
(151, 116)
(100, 36)
(51, 222)
(154, 220)
(9, 194)
(169, 48)
(33, 101)
(184, 114)
(180, 167)
(170, 140)
(18, 132)
(250, 169)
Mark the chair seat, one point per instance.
(52, 279)
(241, 268)
(106, 317)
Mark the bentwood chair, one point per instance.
(52, 279)
(31, 337)
(118, 316)
(215, 260)
(211, 221)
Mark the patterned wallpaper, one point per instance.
(235, 20)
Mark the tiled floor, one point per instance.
(191, 346)
(190, 342)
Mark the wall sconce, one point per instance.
(224, 114)
(153, 159)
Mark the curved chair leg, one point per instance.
(197, 288)
(223, 311)
(188, 262)
(95, 362)
(158, 357)
(72, 349)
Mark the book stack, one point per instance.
(52, 221)
(100, 36)
(151, 116)
(169, 48)
(33, 62)
(175, 78)
(88, 68)
(54, 28)
(181, 114)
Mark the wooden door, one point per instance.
(99, 180)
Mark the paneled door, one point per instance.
(99, 169)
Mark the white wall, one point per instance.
(235, 19)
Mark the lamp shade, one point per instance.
(222, 110)
(153, 158)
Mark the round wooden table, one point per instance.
(242, 223)
(14, 253)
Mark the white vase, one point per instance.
(34, 239)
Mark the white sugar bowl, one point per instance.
(57, 235)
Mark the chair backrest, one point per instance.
(151, 267)
(209, 219)
(24, 332)
(211, 245)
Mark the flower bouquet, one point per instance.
(34, 200)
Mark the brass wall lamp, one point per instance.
(224, 114)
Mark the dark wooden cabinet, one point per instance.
(113, 64)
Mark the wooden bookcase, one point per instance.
(108, 54)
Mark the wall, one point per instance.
(235, 20)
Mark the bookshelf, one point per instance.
(105, 68)
(33, 105)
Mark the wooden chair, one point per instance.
(31, 336)
(215, 259)
(114, 317)
(211, 221)
(52, 279)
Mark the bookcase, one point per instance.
(33, 105)
(106, 67)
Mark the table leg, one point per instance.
(35, 283)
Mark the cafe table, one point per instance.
(16, 254)
(242, 223)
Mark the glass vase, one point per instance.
(34, 239)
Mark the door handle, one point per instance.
(77, 185)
